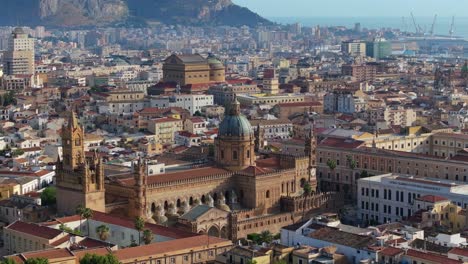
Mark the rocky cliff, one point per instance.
(76, 13)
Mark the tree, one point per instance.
(307, 191)
(37, 261)
(49, 196)
(67, 229)
(87, 214)
(139, 225)
(79, 211)
(147, 236)
(17, 152)
(331, 164)
(96, 259)
(352, 163)
(8, 261)
(103, 232)
(364, 174)
(266, 236)
(197, 113)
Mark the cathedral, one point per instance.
(246, 190)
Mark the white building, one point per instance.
(190, 102)
(273, 128)
(339, 103)
(353, 245)
(390, 197)
(122, 230)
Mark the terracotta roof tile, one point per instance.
(169, 246)
(35, 230)
(432, 198)
(460, 251)
(434, 258)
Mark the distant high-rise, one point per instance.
(270, 81)
(379, 48)
(354, 48)
(19, 57)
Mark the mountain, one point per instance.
(78, 13)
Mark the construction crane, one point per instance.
(452, 27)
(433, 25)
(416, 27)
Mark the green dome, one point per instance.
(214, 62)
(235, 124)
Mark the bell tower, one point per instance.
(137, 204)
(310, 152)
(80, 180)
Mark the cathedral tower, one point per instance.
(137, 204)
(80, 180)
(310, 152)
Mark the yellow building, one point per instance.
(164, 129)
(193, 69)
(8, 188)
(244, 255)
(438, 211)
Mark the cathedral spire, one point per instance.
(72, 120)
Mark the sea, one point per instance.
(442, 25)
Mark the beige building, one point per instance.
(19, 58)
(164, 129)
(354, 48)
(255, 99)
(193, 69)
(23, 237)
(353, 160)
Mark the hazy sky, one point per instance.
(356, 8)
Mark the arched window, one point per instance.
(267, 194)
(248, 154)
(234, 155)
(222, 154)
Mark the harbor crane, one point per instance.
(433, 25)
(452, 27)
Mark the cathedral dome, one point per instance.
(214, 63)
(235, 124)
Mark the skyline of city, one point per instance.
(177, 132)
(359, 8)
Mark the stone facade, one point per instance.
(257, 193)
(80, 179)
(192, 69)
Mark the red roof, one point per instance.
(35, 230)
(167, 247)
(391, 251)
(299, 104)
(341, 143)
(432, 198)
(180, 175)
(129, 223)
(459, 251)
(433, 258)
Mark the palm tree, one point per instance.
(139, 225)
(307, 191)
(103, 232)
(147, 236)
(87, 213)
(8, 261)
(266, 236)
(331, 164)
(79, 211)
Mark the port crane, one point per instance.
(433, 25)
(452, 27)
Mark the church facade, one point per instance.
(256, 191)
